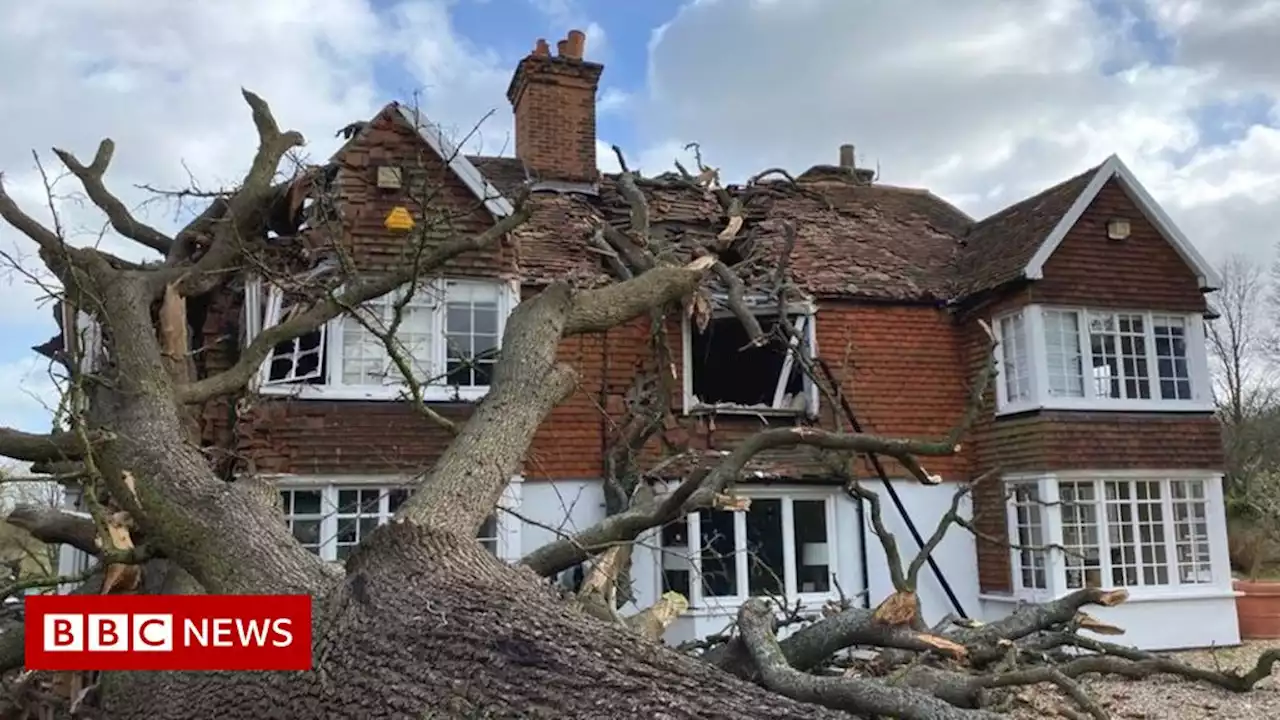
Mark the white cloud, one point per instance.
(163, 81)
(30, 394)
(984, 102)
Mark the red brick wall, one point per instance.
(1143, 271)
(900, 367)
(897, 365)
(441, 203)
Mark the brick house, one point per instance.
(1099, 423)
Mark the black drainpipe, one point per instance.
(897, 502)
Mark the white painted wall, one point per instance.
(550, 510)
(1196, 621)
(956, 556)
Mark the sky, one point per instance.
(983, 101)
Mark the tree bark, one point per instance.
(464, 636)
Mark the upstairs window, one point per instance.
(448, 336)
(1101, 359)
(725, 373)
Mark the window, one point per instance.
(1031, 541)
(1093, 359)
(782, 547)
(333, 520)
(1014, 359)
(449, 335)
(1145, 532)
(725, 372)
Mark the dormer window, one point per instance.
(1093, 359)
(449, 336)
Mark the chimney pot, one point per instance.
(562, 47)
(846, 156)
(541, 49)
(577, 44)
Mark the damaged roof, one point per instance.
(855, 239)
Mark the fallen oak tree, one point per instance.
(422, 619)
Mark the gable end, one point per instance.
(1114, 167)
(466, 171)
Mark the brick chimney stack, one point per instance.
(554, 100)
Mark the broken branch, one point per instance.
(121, 219)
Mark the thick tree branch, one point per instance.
(121, 219)
(239, 219)
(854, 695)
(626, 526)
(527, 384)
(810, 646)
(55, 526)
(236, 377)
(30, 447)
(48, 240)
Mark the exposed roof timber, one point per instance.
(1114, 167)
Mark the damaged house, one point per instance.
(1097, 432)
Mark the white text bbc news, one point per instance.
(68, 632)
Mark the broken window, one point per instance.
(298, 360)
(729, 373)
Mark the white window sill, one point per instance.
(1087, 405)
(389, 393)
(1136, 595)
(742, 410)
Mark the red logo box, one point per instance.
(168, 632)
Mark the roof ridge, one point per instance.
(1046, 191)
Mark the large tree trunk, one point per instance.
(427, 626)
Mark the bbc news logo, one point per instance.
(168, 632)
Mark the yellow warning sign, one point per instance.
(399, 219)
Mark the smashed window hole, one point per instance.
(299, 360)
(728, 374)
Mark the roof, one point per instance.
(850, 235)
(997, 249)
(855, 239)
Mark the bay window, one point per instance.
(782, 546)
(1089, 359)
(448, 336)
(1124, 530)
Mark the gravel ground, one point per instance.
(1170, 698)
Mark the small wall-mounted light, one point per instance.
(388, 177)
(1118, 229)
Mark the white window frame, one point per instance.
(1041, 398)
(263, 300)
(81, 332)
(508, 525)
(692, 560)
(1048, 488)
(764, 308)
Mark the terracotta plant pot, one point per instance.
(1258, 609)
